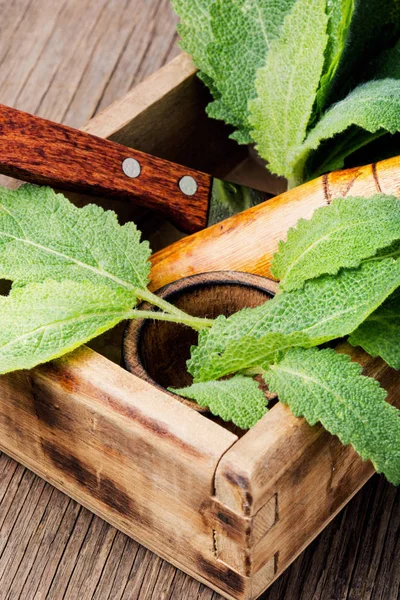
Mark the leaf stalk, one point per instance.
(196, 323)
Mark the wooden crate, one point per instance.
(233, 513)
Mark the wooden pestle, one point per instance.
(247, 241)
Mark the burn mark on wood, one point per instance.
(230, 524)
(58, 369)
(248, 564)
(215, 546)
(67, 382)
(113, 496)
(48, 411)
(276, 562)
(349, 178)
(237, 480)
(301, 469)
(325, 186)
(71, 384)
(249, 500)
(221, 575)
(10, 424)
(159, 429)
(376, 179)
(100, 487)
(242, 482)
(224, 518)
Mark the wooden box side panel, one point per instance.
(127, 451)
(292, 479)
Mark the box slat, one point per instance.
(128, 452)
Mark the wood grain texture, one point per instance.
(46, 68)
(44, 152)
(83, 416)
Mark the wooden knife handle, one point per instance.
(247, 241)
(40, 151)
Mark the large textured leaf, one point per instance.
(379, 335)
(326, 308)
(242, 33)
(43, 235)
(238, 399)
(287, 84)
(340, 14)
(373, 106)
(42, 321)
(196, 35)
(195, 30)
(326, 387)
(336, 236)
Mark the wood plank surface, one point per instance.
(65, 60)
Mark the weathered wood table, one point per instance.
(66, 60)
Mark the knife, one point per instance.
(43, 152)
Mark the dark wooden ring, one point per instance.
(156, 351)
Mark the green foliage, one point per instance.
(372, 106)
(326, 387)
(342, 270)
(276, 69)
(77, 272)
(287, 84)
(196, 35)
(233, 24)
(379, 335)
(195, 31)
(375, 27)
(340, 13)
(337, 236)
(328, 307)
(238, 399)
(43, 235)
(42, 321)
(335, 153)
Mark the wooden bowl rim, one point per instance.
(133, 331)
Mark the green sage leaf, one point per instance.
(326, 387)
(379, 335)
(336, 236)
(44, 236)
(42, 321)
(286, 86)
(238, 399)
(326, 308)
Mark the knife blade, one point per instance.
(47, 153)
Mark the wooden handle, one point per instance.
(247, 241)
(43, 152)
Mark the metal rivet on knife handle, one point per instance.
(188, 185)
(131, 167)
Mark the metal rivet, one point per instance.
(131, 167)
(188, 185)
